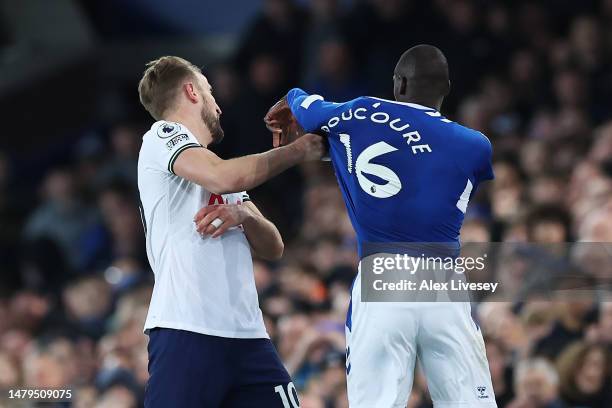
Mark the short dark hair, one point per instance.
(425, 69)
(160, 83)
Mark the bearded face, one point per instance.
(211, 119)
(210, 111)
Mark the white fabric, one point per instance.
(202, 284)
(387, 338)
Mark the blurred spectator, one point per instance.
(326, 21)
(88, 302)
(62, 217)
(120, 232)
(335, 77)
(277, 31)
(379, 32)
(537, 385)
(584, 372)
(548, 224)
(568, 327)
(121, 166)
(9, 372)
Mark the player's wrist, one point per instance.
(296, 151)
(245, 214)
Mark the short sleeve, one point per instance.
(244, 196)
(166, 141)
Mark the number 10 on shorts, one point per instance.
(291, 401)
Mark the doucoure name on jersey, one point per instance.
(381, 118)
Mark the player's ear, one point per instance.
(191, 91)
(403, 86)
(448, 88)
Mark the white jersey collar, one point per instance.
(412, 105)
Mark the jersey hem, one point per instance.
(209, 332)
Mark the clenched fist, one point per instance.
(283, 125)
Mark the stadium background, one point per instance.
(535, 76)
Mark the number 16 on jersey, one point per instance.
(363, 165)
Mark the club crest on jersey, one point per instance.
(167, 129)
(481, 392)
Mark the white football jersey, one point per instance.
(202, 284)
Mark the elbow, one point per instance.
(275, 252)
(278, 251)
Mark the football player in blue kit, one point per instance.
(406, 174)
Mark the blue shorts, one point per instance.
(188, 369)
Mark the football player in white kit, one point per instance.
(208, 346)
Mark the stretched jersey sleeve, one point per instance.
(311, 111)
(166, 142)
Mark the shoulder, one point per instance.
(473, 151)
(162, 144)
(166, 135)
(472, 138)
(162, 131)
(304, 100)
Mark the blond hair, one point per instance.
(161, 82)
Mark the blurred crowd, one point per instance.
(534, 76)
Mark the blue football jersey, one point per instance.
(405, 171)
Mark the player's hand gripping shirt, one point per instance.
(202, 284)
(406, 172)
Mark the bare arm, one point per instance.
(205, 168)
(263, 237)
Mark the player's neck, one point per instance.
(429, 103)
(195, 125)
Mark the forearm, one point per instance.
(263, 236)
(246, 173)
(219, 176)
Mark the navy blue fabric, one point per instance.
(195, 370)
(349, 312)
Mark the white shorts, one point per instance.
(384, 340)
